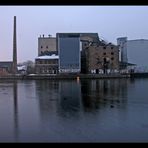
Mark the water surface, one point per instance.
(108, 110)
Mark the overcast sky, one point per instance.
(110, 22)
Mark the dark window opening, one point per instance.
(104, 53)
(112, 58)
(112, 47)
(112, 53)
(97, 71)
(46, 46)
(104, 60)
(104, 47)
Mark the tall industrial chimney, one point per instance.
(14, 70)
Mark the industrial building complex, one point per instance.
(80, 53)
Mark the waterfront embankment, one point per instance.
(63, 76)
(72, 76)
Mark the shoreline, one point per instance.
(72, 76)
(63, 76)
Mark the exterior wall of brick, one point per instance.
(96, 55)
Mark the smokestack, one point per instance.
(14, 70)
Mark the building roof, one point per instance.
(80, 34)
(48, 57)
(137, 40)
(6, 63)
(67, 35)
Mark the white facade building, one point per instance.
(137, 53)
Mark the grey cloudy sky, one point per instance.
(110, 22)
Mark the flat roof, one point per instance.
(48, 57)
(138, 40)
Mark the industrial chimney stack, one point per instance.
(14, 70)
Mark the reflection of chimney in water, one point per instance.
(15, 110)
(14, 69)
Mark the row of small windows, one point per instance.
(47, 70)
(112, 53)
(85, 45)
(105, 47)
(69, 65)
(112, 58)
(46, 47)
(47, 62)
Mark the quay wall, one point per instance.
(63, 76)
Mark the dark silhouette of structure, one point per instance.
(14, 69)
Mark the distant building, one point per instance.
(135, 52)
(47, 60)
(68, 45)
(22, 69)
(46, 45)
(6, 67)
(102, 58)
(122, 43)
(47, 64)
(86, 39)
(98, 56)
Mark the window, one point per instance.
(42, 52)
(104, 47)
(47, 47)
(46, 62)
(41, 46)
(112, 47)
(104, 53)
(112, 53)
(112, 58)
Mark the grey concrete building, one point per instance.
(68, 45)
(122, 42)
(46, 45)
(47, 60)
(6, 67)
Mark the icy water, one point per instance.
(114, 110)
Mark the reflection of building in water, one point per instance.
(99, 92)
(87, 100)
(70, 96)
(58, 97)
(47, 93)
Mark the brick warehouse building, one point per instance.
(102, 58)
